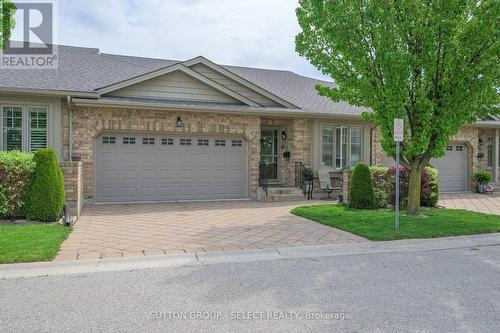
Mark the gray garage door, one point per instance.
(151, 167)
(452, 168)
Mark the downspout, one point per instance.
(371, 144)
(70, 128)
(66, 211)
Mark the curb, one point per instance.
(23, 270)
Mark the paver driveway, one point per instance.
(143, 229)
(489, 204)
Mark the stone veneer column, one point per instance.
(346, 180)
(73, 185)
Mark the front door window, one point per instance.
(269, 151)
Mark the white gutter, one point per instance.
(70, 127)
(49, 92)
(261, 111)
(486, 123)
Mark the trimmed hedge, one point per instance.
(361, 194)
(16, 172)
(45, 195)
(385, 186)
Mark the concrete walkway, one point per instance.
(122, 230)
(489, 204)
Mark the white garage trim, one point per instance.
(164, 162)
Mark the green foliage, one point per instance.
(483, 177)
(429, 195)
(381, 185)
(361, 194)
(7, 20)
(308, 173)
(16, 170)
(45, 196)
(433, 63)
(385, 186)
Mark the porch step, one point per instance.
(280, 194)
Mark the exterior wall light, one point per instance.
(178, 122)
(283, 135)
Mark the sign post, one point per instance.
(398, 137)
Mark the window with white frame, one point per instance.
(24, 127)
(328, 146)
(341, 146)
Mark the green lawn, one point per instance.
(37, 242)
(378, 225)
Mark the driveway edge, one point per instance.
(24, 270)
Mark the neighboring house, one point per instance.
(137, 129)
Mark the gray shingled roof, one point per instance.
(86, 70)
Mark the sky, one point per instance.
(255, 33)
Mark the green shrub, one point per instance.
(429, 193)
(384, 181)
(16, 171)
(45, 195)
(483, 177)
(381, 185)
(361, 193)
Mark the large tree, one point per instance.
(433, 63)
(7, 20)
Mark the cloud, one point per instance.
(256, 33)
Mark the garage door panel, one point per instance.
(452, 168)
(128, 157)
(149, 172)
(123, 174)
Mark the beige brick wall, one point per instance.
(483, 135)
(73, 185)
(89, 122)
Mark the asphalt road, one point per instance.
(436, 291)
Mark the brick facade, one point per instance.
(89, 122)
(73, 185)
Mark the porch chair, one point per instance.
(325, 182)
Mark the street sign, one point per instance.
(398, 137)
(398, 130)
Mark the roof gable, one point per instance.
(237, 83)
(175, 82)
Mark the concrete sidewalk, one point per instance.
(209, 258)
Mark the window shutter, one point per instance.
(38, 128)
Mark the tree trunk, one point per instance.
(414, 188)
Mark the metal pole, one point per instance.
(397, 185)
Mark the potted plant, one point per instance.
(482, 178)
(308, 173)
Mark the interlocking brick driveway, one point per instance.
(472, 201)
(162, 228)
